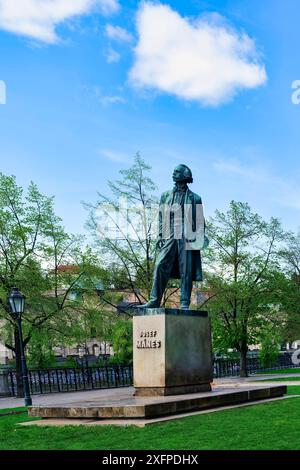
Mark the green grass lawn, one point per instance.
(293, 390)
(283, 379)
(295, 370)
(13, 410)
(273, 426)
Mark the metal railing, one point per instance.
(231, 367)
(93, 378)
(74, 379)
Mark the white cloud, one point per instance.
(2, 92)
(117, 33)
(112, 56)
(203, 60)
(234, 167)
(97, 94)
(38, 19)
(113, 155)
(112, 99)
(284, 191)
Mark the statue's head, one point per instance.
(182, 174)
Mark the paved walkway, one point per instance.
(258, 377)
(263, 379)
(69, 397)
(61, 398)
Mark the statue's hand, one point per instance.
(206, 242)
(159, 244)
(200, 243)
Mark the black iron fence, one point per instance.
(74, 379)
(93, 378)
(231, 367)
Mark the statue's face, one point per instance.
(178, 174)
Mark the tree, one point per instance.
(269, 346)
(122, 341)
(291, 257)
(244, 278)
(128, 247)
(33, 247)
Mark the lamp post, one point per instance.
(16, 302)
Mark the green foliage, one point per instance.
(129, 248)
(40, 357)
(69, 363)
(57, 273)
(244, 277)
(269, 347)
(290, 255)
(24, 221)
(102, 362)
(39, 351)
(122, 342)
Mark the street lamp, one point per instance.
(16, 302)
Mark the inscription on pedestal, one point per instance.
(148, 340)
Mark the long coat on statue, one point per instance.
(194, 237)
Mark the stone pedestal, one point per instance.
(171, 352)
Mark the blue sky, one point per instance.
(88, 88)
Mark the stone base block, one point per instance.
(123, 405)
(171, 352)
(167, 391)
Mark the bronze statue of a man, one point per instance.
(181, 236)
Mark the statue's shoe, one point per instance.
(150, 304)
(184, 307)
